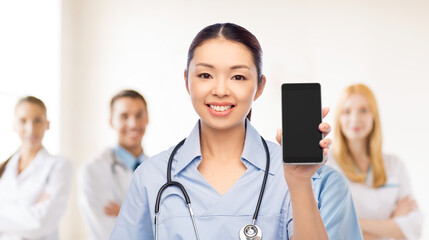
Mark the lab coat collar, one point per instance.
(41, 156)
(253, 150)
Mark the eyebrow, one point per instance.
(204, 65)
(240, 66)
(233, 67)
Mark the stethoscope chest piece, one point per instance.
(250, 232)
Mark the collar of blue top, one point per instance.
(127, 158)
(253, 151)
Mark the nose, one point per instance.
(132, 122)
(29, 126)
(354, 116)
(221, 88)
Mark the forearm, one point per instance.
(386, 228)
(307, 222)
(15, 218)
(95, 218)
(369, 237)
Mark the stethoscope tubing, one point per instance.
(264, 181)
(170, 183)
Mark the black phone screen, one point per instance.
(301, 116)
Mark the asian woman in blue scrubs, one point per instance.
(222, 162)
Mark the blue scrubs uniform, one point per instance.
(221, 217)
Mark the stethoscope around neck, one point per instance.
(115, 162)
(248, 232)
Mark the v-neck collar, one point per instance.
(253, 150)
(30, 168)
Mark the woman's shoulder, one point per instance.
(393, 165)
(391, 159)
(330, 176)
(58, 163)
(327, 171)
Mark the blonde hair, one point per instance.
(374, 141)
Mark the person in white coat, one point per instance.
(379, 182)
(103, 182)
(34, 185)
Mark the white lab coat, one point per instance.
(379, 203)
(100, 181)
(21, 215)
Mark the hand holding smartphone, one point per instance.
(301, 116)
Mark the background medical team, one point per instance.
(104, 182)
(34, 185)
(379, 182)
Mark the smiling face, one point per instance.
(30, 124)
(356, 119)
(222, 82)
(129, 118)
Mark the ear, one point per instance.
(48, 125)
(185, 76)
(111, 121)
(261, 87)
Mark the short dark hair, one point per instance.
(127, 93)
(34, 100)
(232, 32)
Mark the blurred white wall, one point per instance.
(107, 46)
(30, 50)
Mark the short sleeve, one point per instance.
(337, 209)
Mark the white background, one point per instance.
(76, 54)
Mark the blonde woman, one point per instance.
(379, 182)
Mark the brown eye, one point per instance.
(37, 120)
(239, 77)
(205, 75)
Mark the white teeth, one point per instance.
(220, 108)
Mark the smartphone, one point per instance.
(301, 116)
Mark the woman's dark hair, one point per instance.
(232, 32)
(34, 100)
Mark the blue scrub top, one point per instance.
(221, 217)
